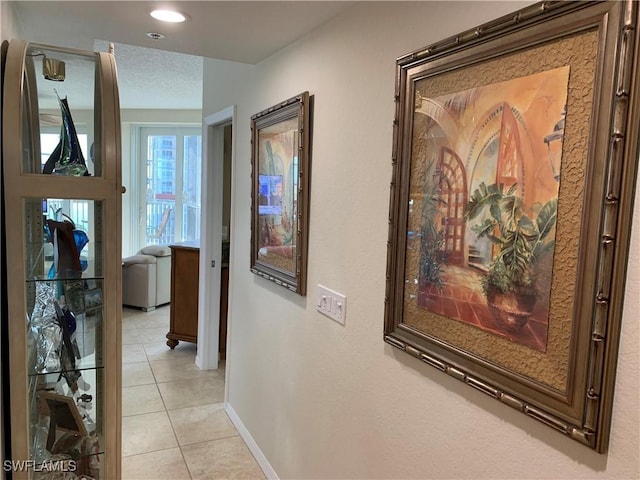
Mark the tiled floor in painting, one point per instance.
(462, 299)
(174, 425)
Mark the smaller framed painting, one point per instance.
(280, 164)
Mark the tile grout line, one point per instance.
(186, 464)
(237, 434)
(146, 453)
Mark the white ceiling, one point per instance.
(154, 73)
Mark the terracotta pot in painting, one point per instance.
(511, 310)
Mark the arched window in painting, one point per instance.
(510, 168)
(453, 193)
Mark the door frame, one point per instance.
(211, 234)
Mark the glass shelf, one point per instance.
(88, 274)
(83, 366)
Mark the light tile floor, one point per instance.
(174, 425)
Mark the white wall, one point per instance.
(326, 401)
(8, 20)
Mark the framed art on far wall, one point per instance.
(515, 156)
(280, 170)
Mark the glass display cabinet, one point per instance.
(63, 187)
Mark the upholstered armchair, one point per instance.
(146, 278)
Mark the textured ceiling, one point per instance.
(151, 78)
(152, 73)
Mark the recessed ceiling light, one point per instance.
(155, 35)
(168, 16)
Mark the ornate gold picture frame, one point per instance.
(279, 196)
(514, 162)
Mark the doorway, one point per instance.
(216, 238)
(453, 195)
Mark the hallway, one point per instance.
(174, 425)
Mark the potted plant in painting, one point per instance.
(432, 243)
(432, 256)
(510, 284)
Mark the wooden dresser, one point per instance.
(185, 262)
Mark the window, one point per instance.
(170, 172)
(49, 141)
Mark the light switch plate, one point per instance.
(332, 304)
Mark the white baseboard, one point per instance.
(264, 464)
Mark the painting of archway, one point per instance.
(453, 198)
(483, 207)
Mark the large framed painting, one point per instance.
(280, 170)
(515, 147)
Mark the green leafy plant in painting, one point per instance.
(432, 254)
(522, 242)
